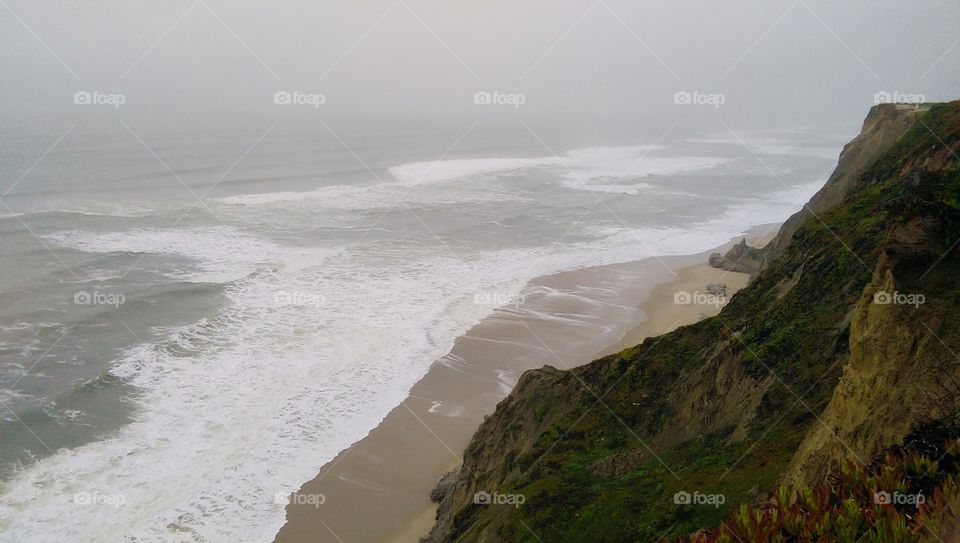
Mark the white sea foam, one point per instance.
(221, 253)
(601, 169)
(246, 405)
(126, 210)
(416, 173)
(368, 197)
(595, 174)
(701, 236)
(446, 409)
(592, 168)
(312, 350)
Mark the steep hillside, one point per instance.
(806, 364)
(884, 126)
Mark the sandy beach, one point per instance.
(378, 489)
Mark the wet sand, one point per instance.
(378, 489)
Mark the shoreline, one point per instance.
(379, 488)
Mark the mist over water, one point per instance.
(234, 237)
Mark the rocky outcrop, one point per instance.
(740, 258)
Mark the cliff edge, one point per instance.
(884, 126)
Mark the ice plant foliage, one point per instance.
(908, 494)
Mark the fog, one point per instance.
(579, 62)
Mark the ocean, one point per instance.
(193, 322)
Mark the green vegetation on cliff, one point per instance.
(910, 494)
(805, 366)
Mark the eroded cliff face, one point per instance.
(806, 364)
(882, 392)
(898, 355)
(884, 126)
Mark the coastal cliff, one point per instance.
(884, 126)
(843, 344)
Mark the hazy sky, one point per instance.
(775, 62)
